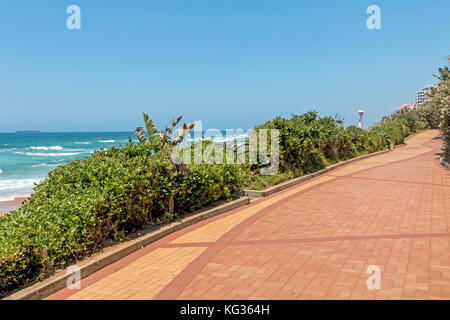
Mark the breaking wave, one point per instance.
(37, 154)
(47, 148)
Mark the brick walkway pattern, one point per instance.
(312, 241)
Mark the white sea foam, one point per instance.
(218, 138)
(44, 165)
(106, 141)
(47, 148)
(1, 171)
(228, 139)
(38, 165)
(16, 184)
(37, 154)
(11, 189)
(11, 198)
(82, 142)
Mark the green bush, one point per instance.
(206, 184)
(445, 127)
(358, 140)
(377, 141)
(86, 203)
(440, 107)
(394, 131)
(415, 120)
(308, 142)
(303, 140)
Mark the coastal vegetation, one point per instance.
(309, 142)
(87, 204)
(439, 105)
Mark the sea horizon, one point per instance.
(90, 131)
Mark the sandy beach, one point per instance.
(6, 206)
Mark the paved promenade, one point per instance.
(312, 241)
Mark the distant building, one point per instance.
(422, 95)
(408, 106)
(29, 131)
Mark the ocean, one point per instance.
(26, 158)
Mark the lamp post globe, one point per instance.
(360, 112)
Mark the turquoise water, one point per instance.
(26, 158)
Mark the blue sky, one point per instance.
(231, 64)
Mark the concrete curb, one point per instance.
(400, 146)
(116, 252)
(295, 181)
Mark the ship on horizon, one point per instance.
(29, 131)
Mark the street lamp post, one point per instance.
(360, 112)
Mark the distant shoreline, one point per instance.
(6, 206)
(28, 131)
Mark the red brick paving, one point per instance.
(313, 241)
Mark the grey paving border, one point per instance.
(114, 253)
